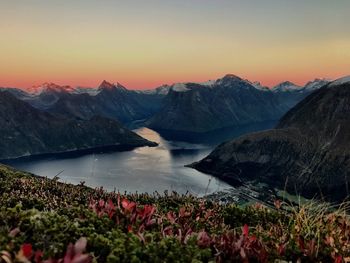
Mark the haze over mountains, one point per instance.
(308, 152)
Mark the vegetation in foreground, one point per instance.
(43, 220)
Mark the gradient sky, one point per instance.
(143, 44)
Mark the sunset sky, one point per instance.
(143, 44)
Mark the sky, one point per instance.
(144, 44)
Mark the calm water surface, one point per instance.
(143, 169)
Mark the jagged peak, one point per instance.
(105, 85)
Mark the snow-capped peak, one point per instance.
(49, 86)
(316, 84)
(340, 81)
(286, 86)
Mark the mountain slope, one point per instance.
(27, 131)
(227, 102)
(308, 152)
(111, 101)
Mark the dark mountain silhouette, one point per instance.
(26, 130)
(227, 102)
(308, 152)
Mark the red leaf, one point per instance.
(111, 208)
(281, 249)
(69, 254)
(170, 217)
(81, 259)
(27, 250)
(101, 203)
(38, 256)
(203, 240)
(129, 206)
(125, 203)
(182, 211)
(301, 243)
(338, 259)
(245, 230)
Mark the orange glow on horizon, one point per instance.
(148, 83)
(142, 46)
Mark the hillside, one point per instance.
(41, 219)
(28, 131)
(307, 153)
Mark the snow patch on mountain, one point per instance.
(286, 86)
(208, 83)
(340, 81)
(316, 84)
(49, 86)
(179, 87)
(257, 85)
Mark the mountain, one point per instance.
(26, 130)
(18, 93)
(315, 84)
(108, 100)
(227, 102)
(307, 153)
(286, 86)
(44, 96)
(49, 86)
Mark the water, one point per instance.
(143, 169)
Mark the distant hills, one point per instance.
(308, 152)
(26, 130)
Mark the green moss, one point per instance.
(50, 215)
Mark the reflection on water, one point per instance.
(143, 169)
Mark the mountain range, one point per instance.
(50, 118)
(308, 152)
(228, 102)
(26, 131)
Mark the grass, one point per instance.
(43, 220)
